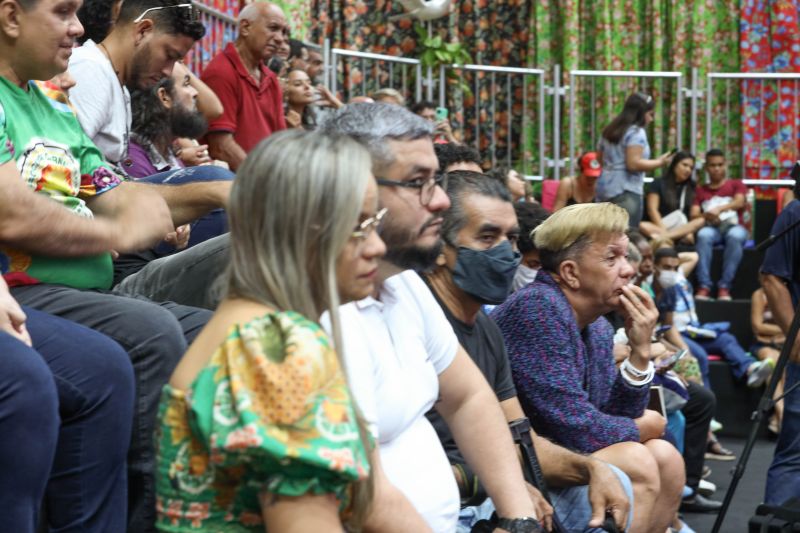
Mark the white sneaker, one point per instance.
(758, 373)
(706, 488)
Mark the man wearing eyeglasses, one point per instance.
(249, 91)
(403, 357)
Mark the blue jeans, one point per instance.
(214, 223)
(734, 238)
(571, 505)
(68, 403)
(724, 345)
(633, 204)
(783, 477)
(155, 337)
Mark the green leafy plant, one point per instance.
(435, 52)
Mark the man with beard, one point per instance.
(402, 355)
(161, 115)
(141, 49)
(250, 92)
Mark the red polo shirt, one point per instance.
(253, 110)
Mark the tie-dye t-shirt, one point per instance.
(55, 158)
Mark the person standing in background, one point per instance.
(625, 157)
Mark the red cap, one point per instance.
(589, 164)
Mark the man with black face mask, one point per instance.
(476, 267)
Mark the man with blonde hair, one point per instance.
(560, 350)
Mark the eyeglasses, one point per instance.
(194, 15)
(426, 186)
(370, 225)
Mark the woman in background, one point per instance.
(626, 157)
(669, 201)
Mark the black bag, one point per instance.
(776, 518)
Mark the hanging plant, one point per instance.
(435, 52)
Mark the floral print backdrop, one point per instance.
(754, 123)
(597, 35)
(770, 42)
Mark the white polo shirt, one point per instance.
(395, 347)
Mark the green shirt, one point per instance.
(270, 412)
(55, 158)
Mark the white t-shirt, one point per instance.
(103, 104)
(394, 350)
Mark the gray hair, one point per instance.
(292, 210)
(374, 124)
(461, 183)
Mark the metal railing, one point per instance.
(514, 77)
(339, 56)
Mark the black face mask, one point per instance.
(486, 275)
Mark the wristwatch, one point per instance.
(526, 524)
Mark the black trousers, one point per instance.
(698, 411)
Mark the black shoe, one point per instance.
(699, 504)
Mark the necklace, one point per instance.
(126, 139)
(108, 55)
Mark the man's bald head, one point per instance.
(263, 29)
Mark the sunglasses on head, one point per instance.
(194, 14)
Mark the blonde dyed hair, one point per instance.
(569, 231)
(293, 207)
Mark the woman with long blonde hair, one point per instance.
(258, 430)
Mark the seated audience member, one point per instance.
(676, 308)
(529, 216)
(300, 95)
(560, 350)
(141, 47)
(303, 238)
(387, 95)
(162, 114)
(66, 397)
(514, 182)
(669, 201)
(66, 209)
(476, 268)
(315, 65)
(250, 92)
(402, 355)
(442, 130)
(97, 17)
(644, 274)
(579, 189)
(720, 204)
(457, 157)
(298, 55)
(768, 344)
(279, 61)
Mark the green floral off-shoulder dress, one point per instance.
(270, 412)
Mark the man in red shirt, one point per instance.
(250, 93)
(721, 203)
